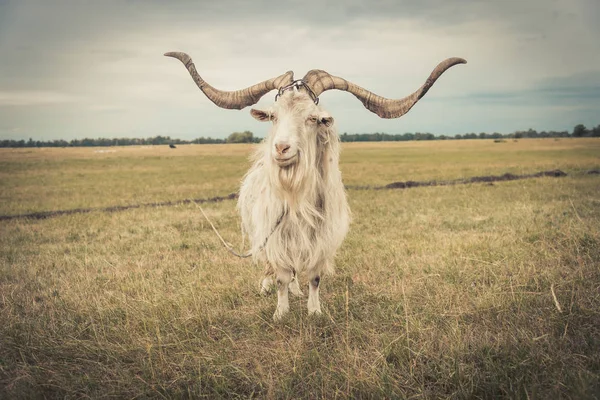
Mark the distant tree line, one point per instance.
(243, 137)
(579, 131)
(235, 137)
(247, 137)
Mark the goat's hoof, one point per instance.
(315, 311)
(279, 314)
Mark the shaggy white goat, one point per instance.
(294, 196)
(292, 200)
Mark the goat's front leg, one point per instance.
(314, 305)
(284, 277)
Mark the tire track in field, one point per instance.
(394, 185)
(58, 213)
(476, 179)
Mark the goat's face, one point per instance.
(299, 127)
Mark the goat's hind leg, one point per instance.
(268, 279)
(295, 286)
(284, 277)
(266, 284)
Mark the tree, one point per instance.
(241, 137)
(531, 133)
(580, 130)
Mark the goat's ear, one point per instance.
(260, 115)
(325, 119)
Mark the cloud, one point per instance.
(572, 90)
(100, 64)
(34, 98)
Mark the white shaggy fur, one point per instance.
(302, 187)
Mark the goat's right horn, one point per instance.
(237, 99)
(320, 81)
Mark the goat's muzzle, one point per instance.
(286, 160)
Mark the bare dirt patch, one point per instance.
(476, 179)
(394, 185)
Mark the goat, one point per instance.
(292, 201)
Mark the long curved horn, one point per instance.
(320, 81)
(237, 99)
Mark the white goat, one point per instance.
(292, 200)
(294, 196)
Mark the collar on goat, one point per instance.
(299, 83)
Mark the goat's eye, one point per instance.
(312, 119)
(273, 117)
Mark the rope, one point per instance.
(228, 246)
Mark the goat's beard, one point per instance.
(291, 176)
(293, 179)
(296, 182)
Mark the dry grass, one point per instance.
(474, 291)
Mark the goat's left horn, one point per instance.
(237, 99)
(320, 81)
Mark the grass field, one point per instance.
(467, 291)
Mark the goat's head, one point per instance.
(300, 128)
(298, 123)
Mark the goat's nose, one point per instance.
(282, 148)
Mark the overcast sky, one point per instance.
(74, 69)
